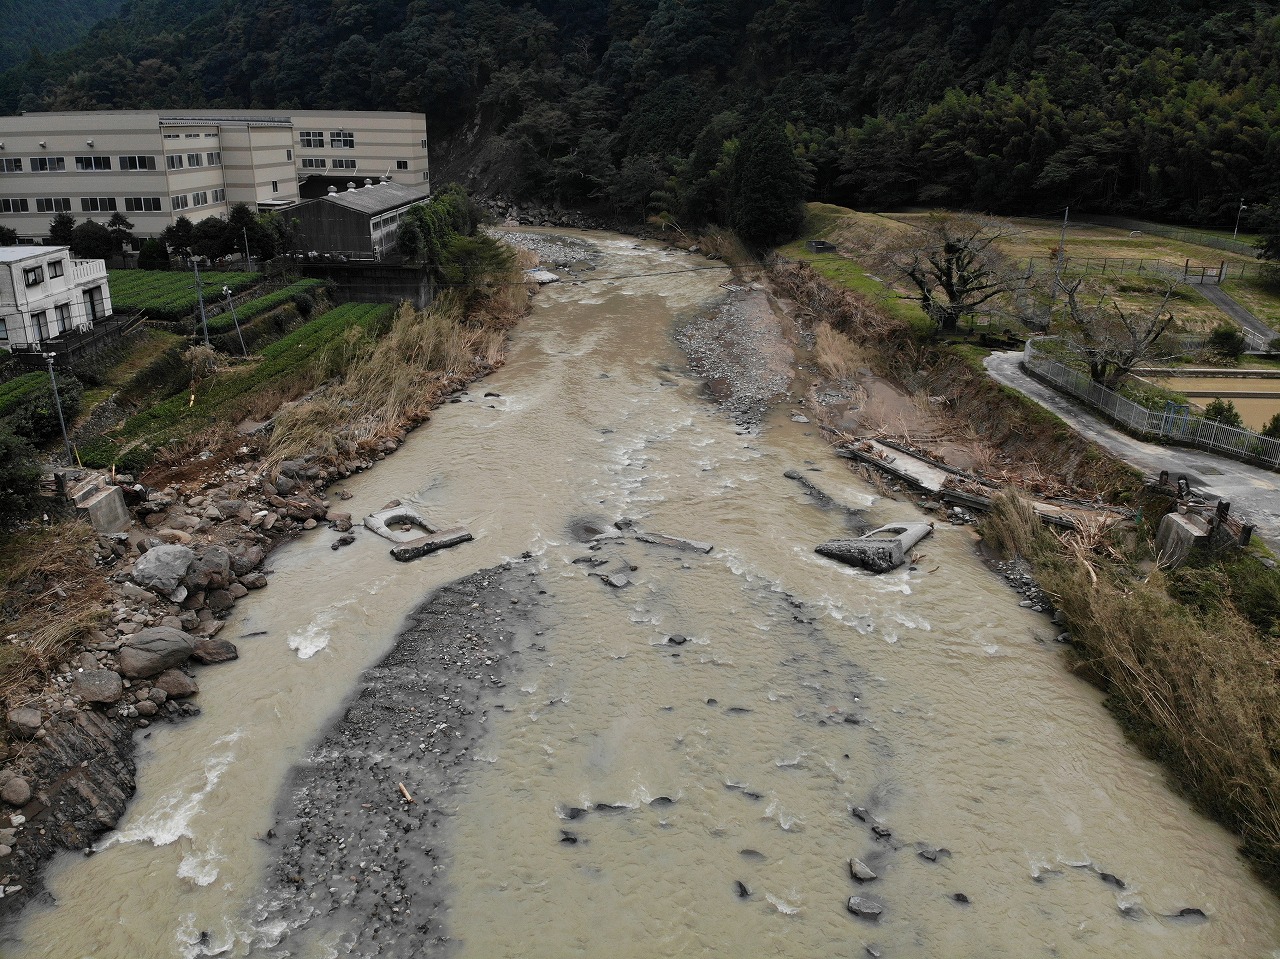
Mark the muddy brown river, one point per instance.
(920, 721)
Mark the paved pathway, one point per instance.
(1227, 305)
(1254, 493)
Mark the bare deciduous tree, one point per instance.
(1113, 338)
(954, 263)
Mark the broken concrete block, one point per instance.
(423, 545)
(880, 550)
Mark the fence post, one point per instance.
(1186, 268)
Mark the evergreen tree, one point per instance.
(766, 206)
(121, 231)
(60, 228)
(153, 256)
(91, 241)
(8, 236)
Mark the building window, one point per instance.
(62, 317)
(55, 268)
(14, 205)
(424, 143)
(48, 164)
(211, 134)
(200, 198)
(142, 204)
(173, 161)
(313, 163)
(171, 136)
(275, 186)
(179, 201)
(4, 329)
(214, 158)
(402, 164)
(341, 164)
(342, 141)
(98, 204)
(33, 275)
(93, 163)
(191, 136)
(41, 322)
(311, 140)
(53, 204)
(288, 154)
(138, 163)
(220, 195)
(11, 165)
(426, 175)
(195, 159)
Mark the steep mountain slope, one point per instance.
(1164, 108)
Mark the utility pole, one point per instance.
(1235, 234)
(1062, 260)
(248, 262)
(226, 291)
(204, 323)
(57, 400)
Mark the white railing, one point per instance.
(83, 271)
(1170, 426)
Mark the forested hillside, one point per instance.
(39, 24)
(1167, 109)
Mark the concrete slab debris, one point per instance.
(404, 552)
(416, 535)
(880, 550)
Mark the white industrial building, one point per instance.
(45, 293)
(155, 166)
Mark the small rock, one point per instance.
(209, 650)
(98, 685)
(176, 684)
(147, 708)
(860, 871)
(865, 908)
(742, 890)
(16, 792)
(154, 650)
(24, 721)
(960, 898)
(617, 580)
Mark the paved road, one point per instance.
(1237, 312)
(1254, 493)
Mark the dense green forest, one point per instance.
(1167, 109)
(39, 24)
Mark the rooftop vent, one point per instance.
(351, 186)
(333, 189)
(368, 182)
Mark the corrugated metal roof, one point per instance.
(378, 198)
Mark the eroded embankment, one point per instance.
(363, 825)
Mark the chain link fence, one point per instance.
(1173, 425)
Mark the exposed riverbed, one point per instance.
(680, 765)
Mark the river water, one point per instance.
(805, 690)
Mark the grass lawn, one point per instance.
(1262, 302)
(830, 222)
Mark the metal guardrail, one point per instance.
(1170, 426)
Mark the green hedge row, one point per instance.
(256, 307)
(27, 404)
(170, 297)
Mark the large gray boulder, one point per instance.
(24, 721)
(98, 685)
(154, 650)
(162, 568)
(211, 569)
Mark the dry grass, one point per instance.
(1196, 690)
(51, 598)
(395, 382)
(726, 245)
(1198, 693)
(836, 355)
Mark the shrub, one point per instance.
(1224, 411)
(153, 256)
(27, 404)
(1226, 342)
(19, 479)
